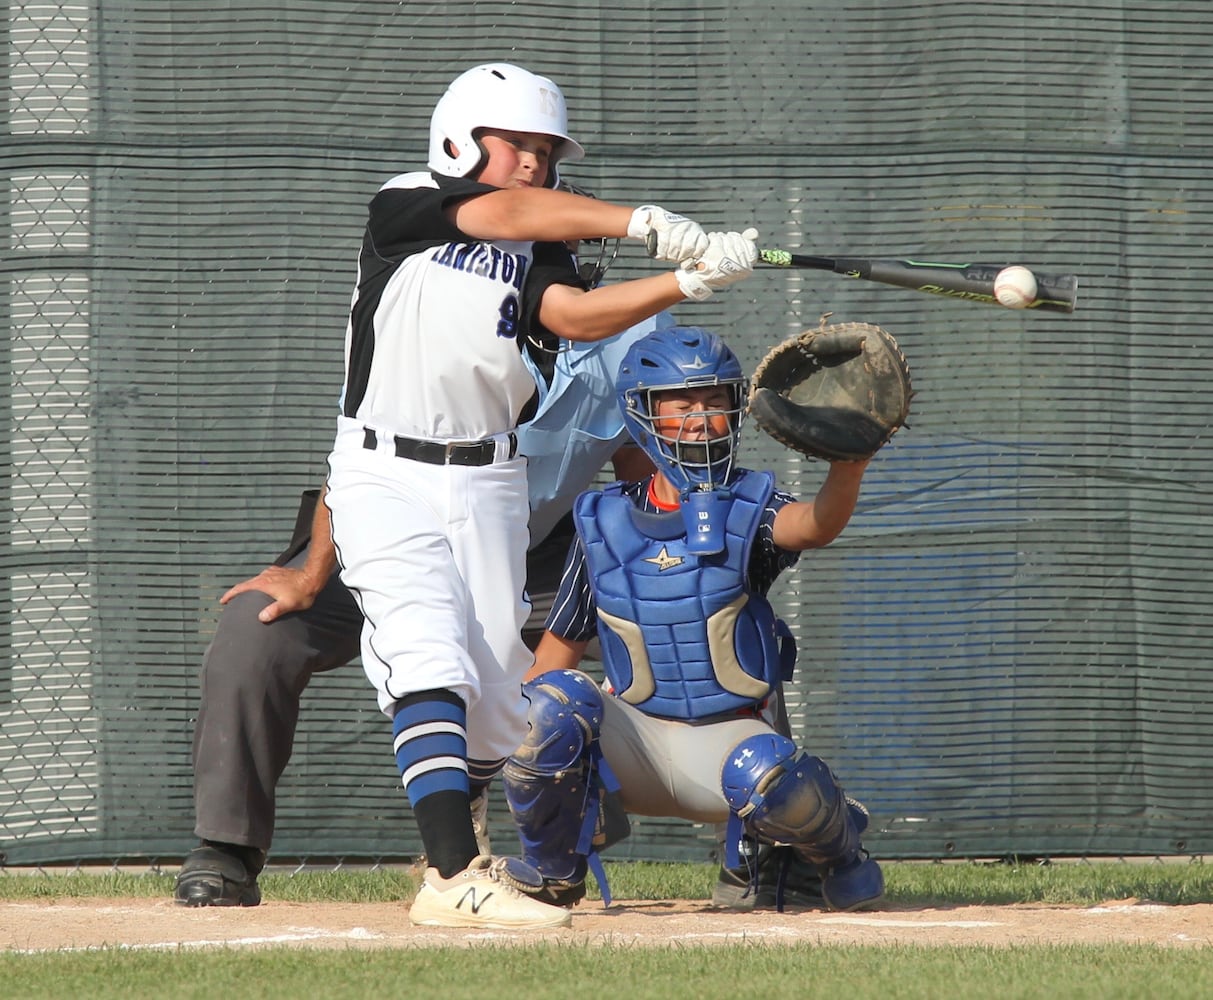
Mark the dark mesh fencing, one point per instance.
(1006, 652)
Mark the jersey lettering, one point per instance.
(487, 261)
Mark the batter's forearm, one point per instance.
(539, 214)
(609, 309)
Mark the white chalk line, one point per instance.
(293, 936)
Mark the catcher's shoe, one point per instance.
(220, 875)
(567, 891)
(734, 889)
(562, 892)
(787, 882)
(737, 888)
(776, 878)
(857, 884)
(488, 893)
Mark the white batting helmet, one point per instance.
(497, 95)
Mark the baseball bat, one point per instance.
(970, 282)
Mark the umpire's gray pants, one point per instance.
(253, 677)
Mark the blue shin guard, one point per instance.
(553, 782)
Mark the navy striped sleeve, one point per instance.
(768, 560)
(573, 615)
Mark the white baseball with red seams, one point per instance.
(1015, 287)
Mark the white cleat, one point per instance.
(483, 895)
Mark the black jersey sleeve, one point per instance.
(405, 220)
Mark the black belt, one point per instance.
(475, 453)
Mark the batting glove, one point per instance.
(729, 258)
(667, 235)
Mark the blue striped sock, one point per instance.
(429, 737)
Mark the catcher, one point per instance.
(670, 573)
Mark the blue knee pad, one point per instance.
(782, 795)
(565, 718)
(552, 781)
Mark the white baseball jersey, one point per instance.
(431, 349)
(435, 553)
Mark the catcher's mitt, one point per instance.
(838, 392)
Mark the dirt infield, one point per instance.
(160, 924)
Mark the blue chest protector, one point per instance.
(681, 635)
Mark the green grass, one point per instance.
(558, 972)
(537, 971)
(908, 883)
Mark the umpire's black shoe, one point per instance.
(220, 875)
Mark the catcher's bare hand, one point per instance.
(838, 392)
(291, 590)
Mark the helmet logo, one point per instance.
(547, 103)
(697, 365)
(663, 560)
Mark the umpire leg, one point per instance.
(253, 678)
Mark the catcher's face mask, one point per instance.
(682, 395)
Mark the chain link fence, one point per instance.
(1005, 653)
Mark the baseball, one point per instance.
(1015, 287)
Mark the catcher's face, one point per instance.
(694, 414)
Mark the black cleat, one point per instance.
(219, 875)
(562, 892)
(737, 888)
(769, 877)
(787, 882)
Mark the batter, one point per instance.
(427, 488)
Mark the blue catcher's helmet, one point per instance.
(682, 357)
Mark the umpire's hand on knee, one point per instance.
(291, 590)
